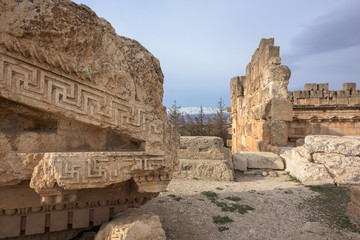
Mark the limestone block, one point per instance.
(239, 162)
(349, 86)
(324, 87)
(281, 110)
(262, 160)
(81, 119)
(307, 172)
(218, 170)
(311, 87)
(132, 226)
(326, 160)
(345, 170)
(276, 133)
(203, 147)
(346, 145)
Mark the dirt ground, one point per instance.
(257, 208)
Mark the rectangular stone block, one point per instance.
(324, 87)
(281, 110)
(101, 215)
(35, 223)
(10, 226)
(316, 94)
(58, 221)
(297, 94)
(310, 87)
(80, 218)
(349, 86)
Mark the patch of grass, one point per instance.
(195, 178)
(242, 209)
(175, 197)
(221, 204)
(221, 220)
(288, 192)
(200, 199)
(234, 199)
(165, 190)
(223, 228)
(252, 191)
(293, 179)
(330, 206)
(260, 193)
(212, 196)
(219, 188)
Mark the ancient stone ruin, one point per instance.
(83, 132)
(266, 116)
(260, 106)
(318, 111)
(204, 157)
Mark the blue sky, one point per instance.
(201, 44)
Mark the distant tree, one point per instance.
(209, 125)
(174, 115)
(200, 123)
(190, 127)
(220, 126)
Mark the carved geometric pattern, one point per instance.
(29, 84)
(96, 168)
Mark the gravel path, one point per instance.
(185, 213)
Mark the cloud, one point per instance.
(336, 30)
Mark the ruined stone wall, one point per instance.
(320, 111)
(260, 106)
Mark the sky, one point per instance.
(202, 44)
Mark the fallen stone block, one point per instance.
(203, 147)
(219, 170)
(132, 226)
(325, 160)
(257, 160)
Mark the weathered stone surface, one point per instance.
(132, 226)
(260, 105)
(353, 209)
(240, 162)
(318, 111)
(326, 160)
(204, 157)
(219, 170)
(261, 160)
(202, 147)
(81, 119)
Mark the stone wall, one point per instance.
(260, 106)
(266, 116)
(320, 111)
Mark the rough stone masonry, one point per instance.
(83, 132)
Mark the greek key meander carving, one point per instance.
(23, 82)
(83, 168)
